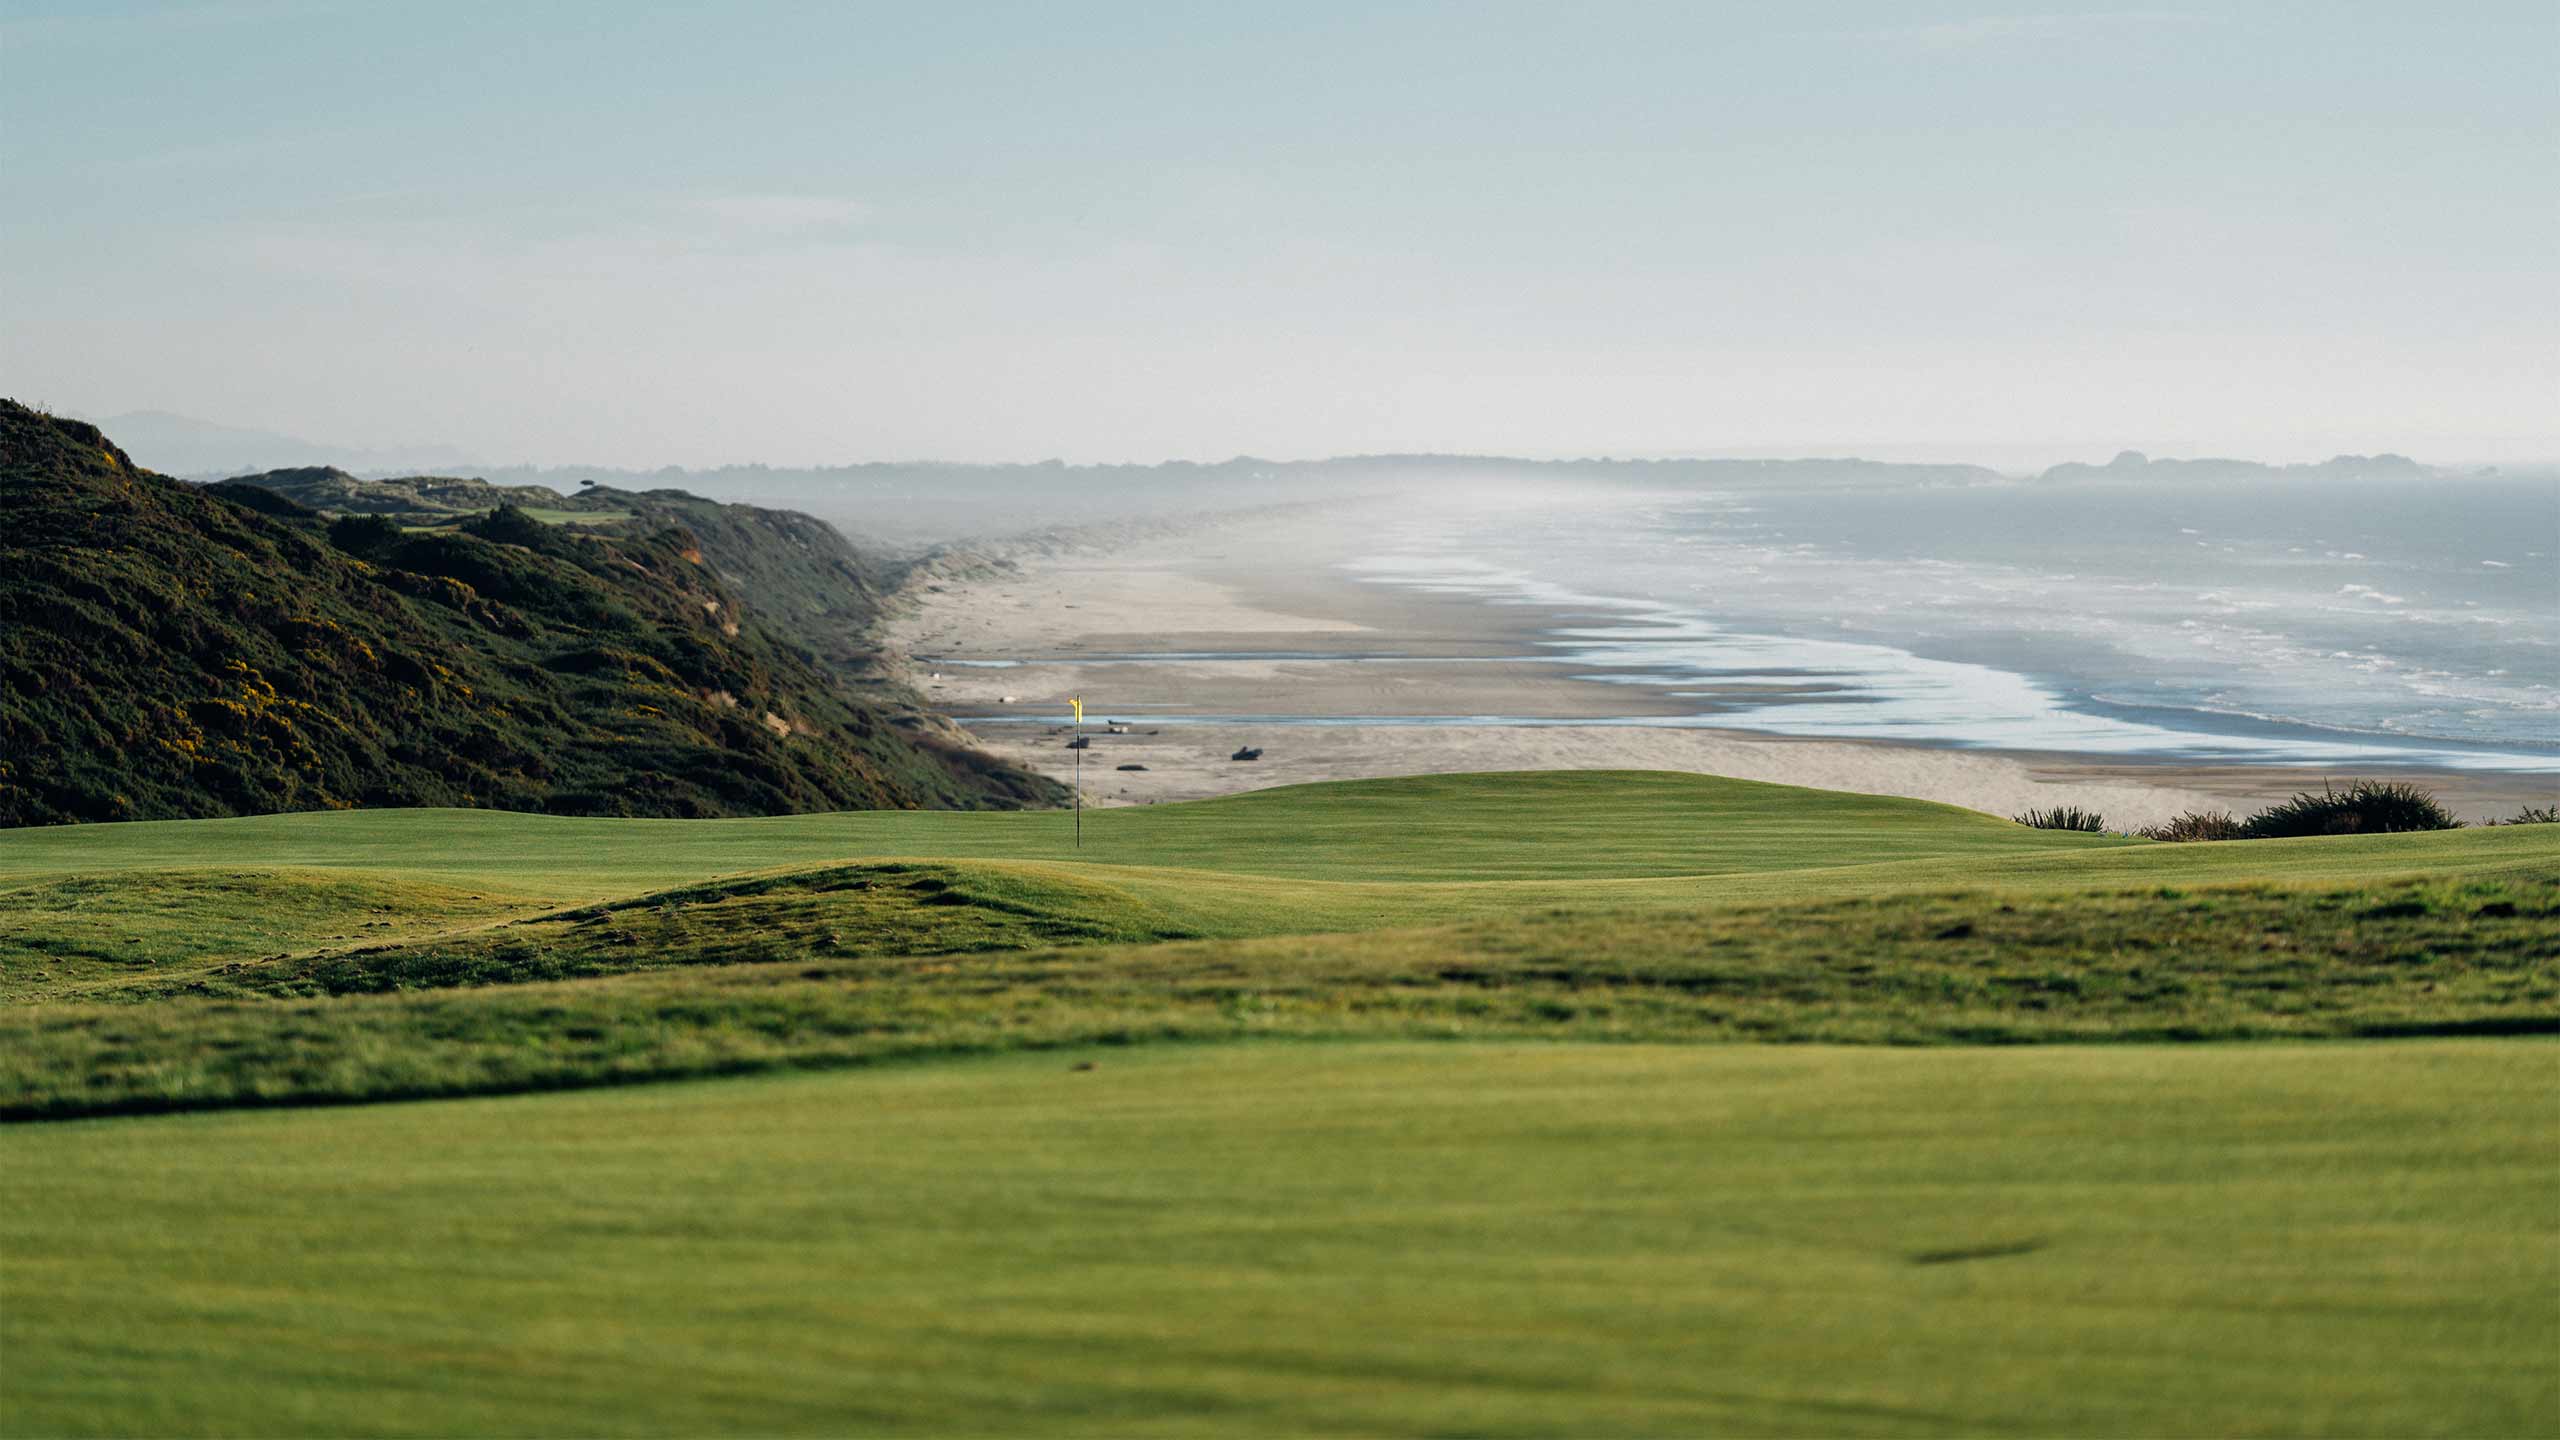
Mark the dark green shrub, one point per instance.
(2531, 815)
(2198, 825)
(260, 499)
(2065, 817)
(367, 536)
(508, 525)
(2364, 807)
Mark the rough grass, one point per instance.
(104, 930)
(2479, 956)
(161, 904)
(876, 909)
(1291, 1239)
(154, 973)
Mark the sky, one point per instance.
(636, 234)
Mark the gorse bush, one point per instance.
(2197, 825)
(2364, 807)
(2064, 817)
(367, 536)
(509, 525)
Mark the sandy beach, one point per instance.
(1188, 647)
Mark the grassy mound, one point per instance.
(151, 974)
(122, 930)
(885, 908)
(2478, 956)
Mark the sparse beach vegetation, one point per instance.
(2065, 817)
(2361, 807)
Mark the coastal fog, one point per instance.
(2364, 610)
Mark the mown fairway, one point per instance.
(2330, 1239)
(1548, 825)
(1405, 1195)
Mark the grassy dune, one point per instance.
(1294, 1239)
(62, 935)
(1319, 857)
(85, 910)
(2425, 958)
(393, 954)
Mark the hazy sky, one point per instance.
(635, 234)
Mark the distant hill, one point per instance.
(2133, 465)
(169, 649)
(184, 445)
(920, 502)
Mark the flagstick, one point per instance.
(1079, 776)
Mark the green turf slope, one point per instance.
(611, 1002)
(1541, 825)
(154, 902)
(400, 954)
(1380, 1240)
(1323, 1225)
(84, 909)
(117, 911)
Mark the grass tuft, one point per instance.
(2197, 825)
(2532, 815)
(2364, 807)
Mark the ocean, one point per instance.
(2283, 622)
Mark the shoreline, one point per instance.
(1244, 633)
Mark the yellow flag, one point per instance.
(1078, 702)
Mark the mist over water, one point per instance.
(2286, 622)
